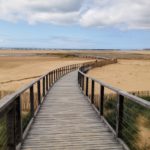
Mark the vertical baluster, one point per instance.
(59, 72)
(43, 86)
(119, 117)
(92, 92)
(39, 92)
(87, 85)
(32, 101)
(62, 71)
(81, 80)
(83, 83)
(11, 143)
(46, 82)
(54, 76)
(18, 128)
(101, 107)
(65, 69)
(49, 75)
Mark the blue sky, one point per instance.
(75, 24)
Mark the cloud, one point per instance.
(118, 13)
(33, 11)
(122, 14)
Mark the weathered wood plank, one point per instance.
(67, 121)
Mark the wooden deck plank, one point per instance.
(67, 121)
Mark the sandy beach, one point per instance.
(14, 70)
(129, 75)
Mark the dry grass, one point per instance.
(129, 75)
(138, 54)
(15, 70)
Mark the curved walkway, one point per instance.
(67, 121)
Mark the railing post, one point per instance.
(92, 92)
(119, 117)
(11, 142)
(65, 69)
(101, 107)
(83, 83)
(52, 78)
(54, 75)
(62, 70)
(87, 85)
(69, 68)
(18, 129)
(46, 82)
(43, 86)
(58, 73)
(39, 92)
(32, 101)
(49, 75)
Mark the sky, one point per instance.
(75, 24)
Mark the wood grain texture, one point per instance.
(67, 121)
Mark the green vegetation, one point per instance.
(135, 117)
(25, 120)
(3, 133)
(110, 110)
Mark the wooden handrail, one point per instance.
(10, 105)
(117, 90)
(83, 80)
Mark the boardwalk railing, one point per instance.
(126, 115)
(18, 109)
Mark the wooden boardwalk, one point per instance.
(67, 121)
